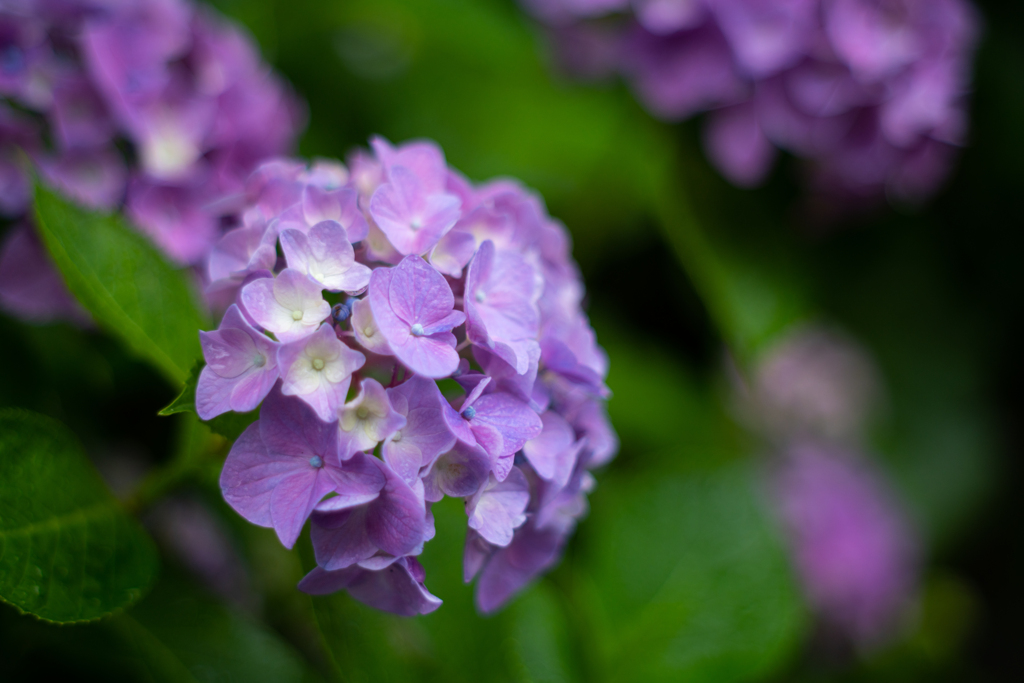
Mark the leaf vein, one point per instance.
(79, 516)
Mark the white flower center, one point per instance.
(296, 315)
(259, 361)
(169, 152)
(318, 363)
(479, 296)
(362, 412)
(397, 437)
(367, 331)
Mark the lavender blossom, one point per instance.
(239, 253)
(872, 94)
(17, 131)
(412, 217)
(284, 464)
(414, 310)
(553, 453)
(398, 588)
(367, 420)
(499, 507)
(326, 256)
(365, 328)
(425, 435)
(493, 283)
(174, 83)
(501, 305)
(497, 422)
(375, 533)
(241, 367)
(318, 369)
(504, 571)
(291, 305)
(458, 473)
(322, 203)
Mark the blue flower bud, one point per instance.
(341, 312)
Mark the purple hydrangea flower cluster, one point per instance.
(432, 279)
(872, 92)
(183, 88)
(852, 544)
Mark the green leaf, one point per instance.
(127, 285)
(694, 579)
(659, 406)
(369, 645)
(176, 634)
(229, 425)
(180, 634)
(540, 637)
(68, 550)
(185, 402)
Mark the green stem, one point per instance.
(751, 297)
(695, 253)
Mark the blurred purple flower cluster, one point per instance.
(431, 278)
(871, 92)
(852, 545)
(157, 105)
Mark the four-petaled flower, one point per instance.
(290, 305)
(318, 369)
(374, 533)
(414, 309)
(367, 420)
(241, 367)
(284, 464)
(326, 256)
(501, 305)
(498, 422)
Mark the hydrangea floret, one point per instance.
(161, 108)
(348, 340)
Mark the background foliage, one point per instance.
(679, 572)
